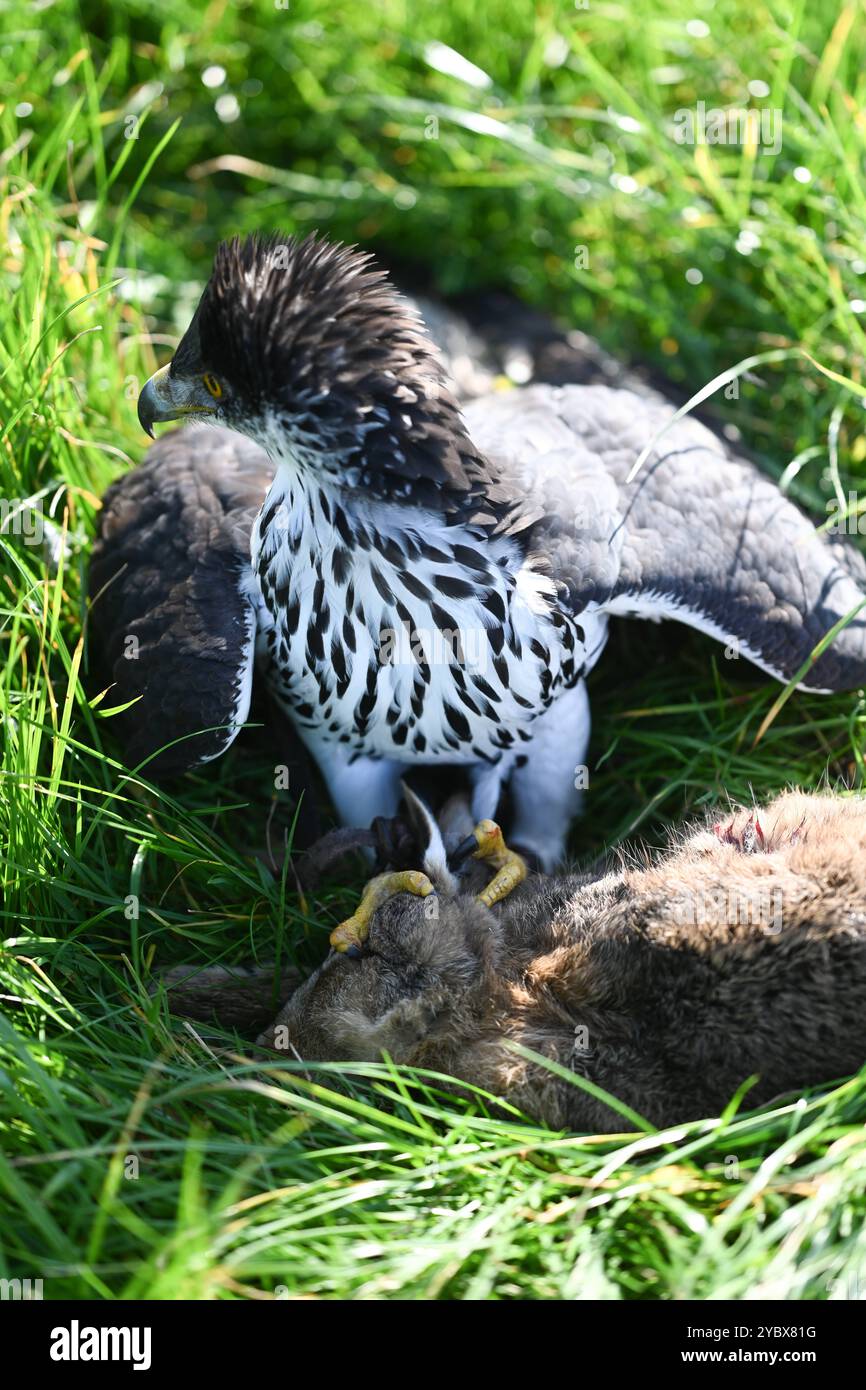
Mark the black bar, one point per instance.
(262, 1336)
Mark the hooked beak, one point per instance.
(164, 397)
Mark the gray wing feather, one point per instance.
(699, 536)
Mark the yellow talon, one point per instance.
(354, 931)
(510, 868)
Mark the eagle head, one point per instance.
(305, 346)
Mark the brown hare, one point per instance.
(666, 982)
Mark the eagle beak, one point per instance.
(164, 397)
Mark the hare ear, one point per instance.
(428, 837)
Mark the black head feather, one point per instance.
(312, 339)
(282, 315)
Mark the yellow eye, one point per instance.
(212, 385)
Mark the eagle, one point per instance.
(416, 580)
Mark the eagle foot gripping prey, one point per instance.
(488, 844)
(485, 843)
(350, 935)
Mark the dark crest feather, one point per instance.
(314, 333)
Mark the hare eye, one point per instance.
(212, 385)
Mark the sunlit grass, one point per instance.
(136, 1160)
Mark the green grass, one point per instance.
(137, 1161)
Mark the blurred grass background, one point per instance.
(521, 146)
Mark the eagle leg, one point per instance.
(510, 868)
(350, 935)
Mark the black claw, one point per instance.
(353, 952)
(457, 858)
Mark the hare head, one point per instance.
(421, 959)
